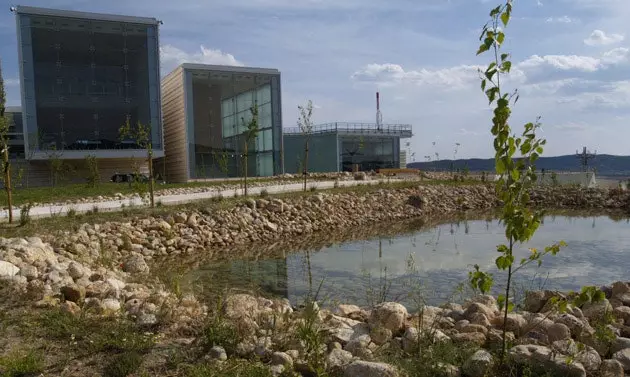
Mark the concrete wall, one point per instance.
(322, 157)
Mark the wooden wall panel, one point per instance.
(175, 164)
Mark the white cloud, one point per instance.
(570, 126)
(389, 74)
(171, 57)
(560, 20)
(599, 38)
(12, 82)
(577, 62)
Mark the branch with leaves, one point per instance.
(305, 125)
(4, 149)
(251, 132)
(141, 134)
(516, 176)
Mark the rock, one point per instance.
(358, 346)
(534, 301)
(448, 370)
(29, 272)
(543, 359)
(477, 338)
(281, 358)
(180, 218)
(217, 353)
(147, 320)
(346, 310)
(620, 343)
(337, 359)
(75, 270)
(244, 349)
(558, 331)
(111, 305)
(380, 335)
(623, 313)
(73, 292)
(389, 315)
(590, 359)
(136, 264)
(240, 305)
(620, 288)
(70, 308)
(8, 269)
(515, 323)
(479, 319)
(595, 311)
(577, 327)
(623, 357)
(478, 364)
(611, 368)
(277, 370)
(163, 226)
(476, 307)
(367, 369)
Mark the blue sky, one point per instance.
(571, 62)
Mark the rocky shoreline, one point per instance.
(105, 269)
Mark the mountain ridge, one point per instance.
(604, 164)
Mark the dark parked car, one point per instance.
(129, 177)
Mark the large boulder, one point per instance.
(478, 364)
(558, 331)
(389, 315)
(368, 369)
(623, 357)
(595, 311)
(543, 359)
(136, 264)
(611, 368)
(8, 270)
(338, 358)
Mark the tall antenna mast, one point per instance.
(585, 157)
(379, 116)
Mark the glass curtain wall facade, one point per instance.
(84, 78)
(218, 119)
(370, 153)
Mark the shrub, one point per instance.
(123, 365)
(25, 214)
(264, 193)
(18, 364)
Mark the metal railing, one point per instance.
(363, 128)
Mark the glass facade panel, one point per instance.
(221, 109)
(369, 153)
(88, 78)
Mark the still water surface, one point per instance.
(434, 261)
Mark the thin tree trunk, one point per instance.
(245, 156)
(7, 182)
(507, 306)
(150, 158)
(305, 172)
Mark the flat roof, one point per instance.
(13, 109)
(228, 68)
(85, 15)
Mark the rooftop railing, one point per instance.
(362, 128)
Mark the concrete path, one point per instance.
(117, 205)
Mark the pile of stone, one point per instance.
(50, 279)
(544, 340)
(263, 221)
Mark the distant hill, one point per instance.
(605, 165)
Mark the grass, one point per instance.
(21, 364)
(76, 191)
(229, 369)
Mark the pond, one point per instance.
(431, 263)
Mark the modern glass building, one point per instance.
(339, 146)
(83, 75)
(16, 133)
(206, 111)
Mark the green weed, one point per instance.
(20, 364)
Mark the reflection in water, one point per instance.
(367, 271)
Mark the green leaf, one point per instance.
(483, 85)
(483, 48)
(500, 166)
(504, 56)
(500, 37)
(505, 18)
(506, 66)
